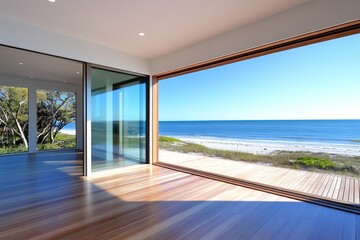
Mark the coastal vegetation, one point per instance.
(165, 139)
(320, 163)
(55, 109)
(332, 163)
(62, 141)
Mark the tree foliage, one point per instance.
(13, 116)
(55, 109)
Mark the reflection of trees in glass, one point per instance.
(55, 110)
(13, 117)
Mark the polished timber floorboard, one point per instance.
(44, 197)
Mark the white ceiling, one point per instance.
(38, 67)
(169, 25)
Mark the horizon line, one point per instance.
(340, 119)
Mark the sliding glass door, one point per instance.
(118, 115)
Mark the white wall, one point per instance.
(22, 35)
(312, 16)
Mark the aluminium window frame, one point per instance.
(87, 169)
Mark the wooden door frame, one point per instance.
(294, 42)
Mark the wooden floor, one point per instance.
(330, 186)
(44, 197)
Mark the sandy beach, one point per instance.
(68, 132)
(266, 147)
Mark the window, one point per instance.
(38, 102)
(56, 119)
(13, 119)
(289, 119)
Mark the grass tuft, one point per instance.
(165, 139)
(20, 148)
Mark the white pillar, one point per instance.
(79, 118)
(32, 120)
(109, 121)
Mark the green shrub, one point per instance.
(20, 148)
(62, 141)
(315, 162)
(165, 139)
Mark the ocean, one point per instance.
(323, 131)
(70, 126)
(318, 131)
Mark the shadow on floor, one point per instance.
(44, 196)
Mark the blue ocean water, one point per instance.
(70, 126)
(327, 131)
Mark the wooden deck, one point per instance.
(44, 197)
(335, 187)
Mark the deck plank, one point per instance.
(318, 184)
(323, 185)
(335, 187)
(328, 186)
(337, 191)
(346, 190)
(306, 185)
(351, 194)
(332, 187)
(357, 190)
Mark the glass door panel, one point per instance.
(118, 114)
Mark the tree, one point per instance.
(55, 110)
(13, 116)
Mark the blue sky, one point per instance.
(318, 81)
